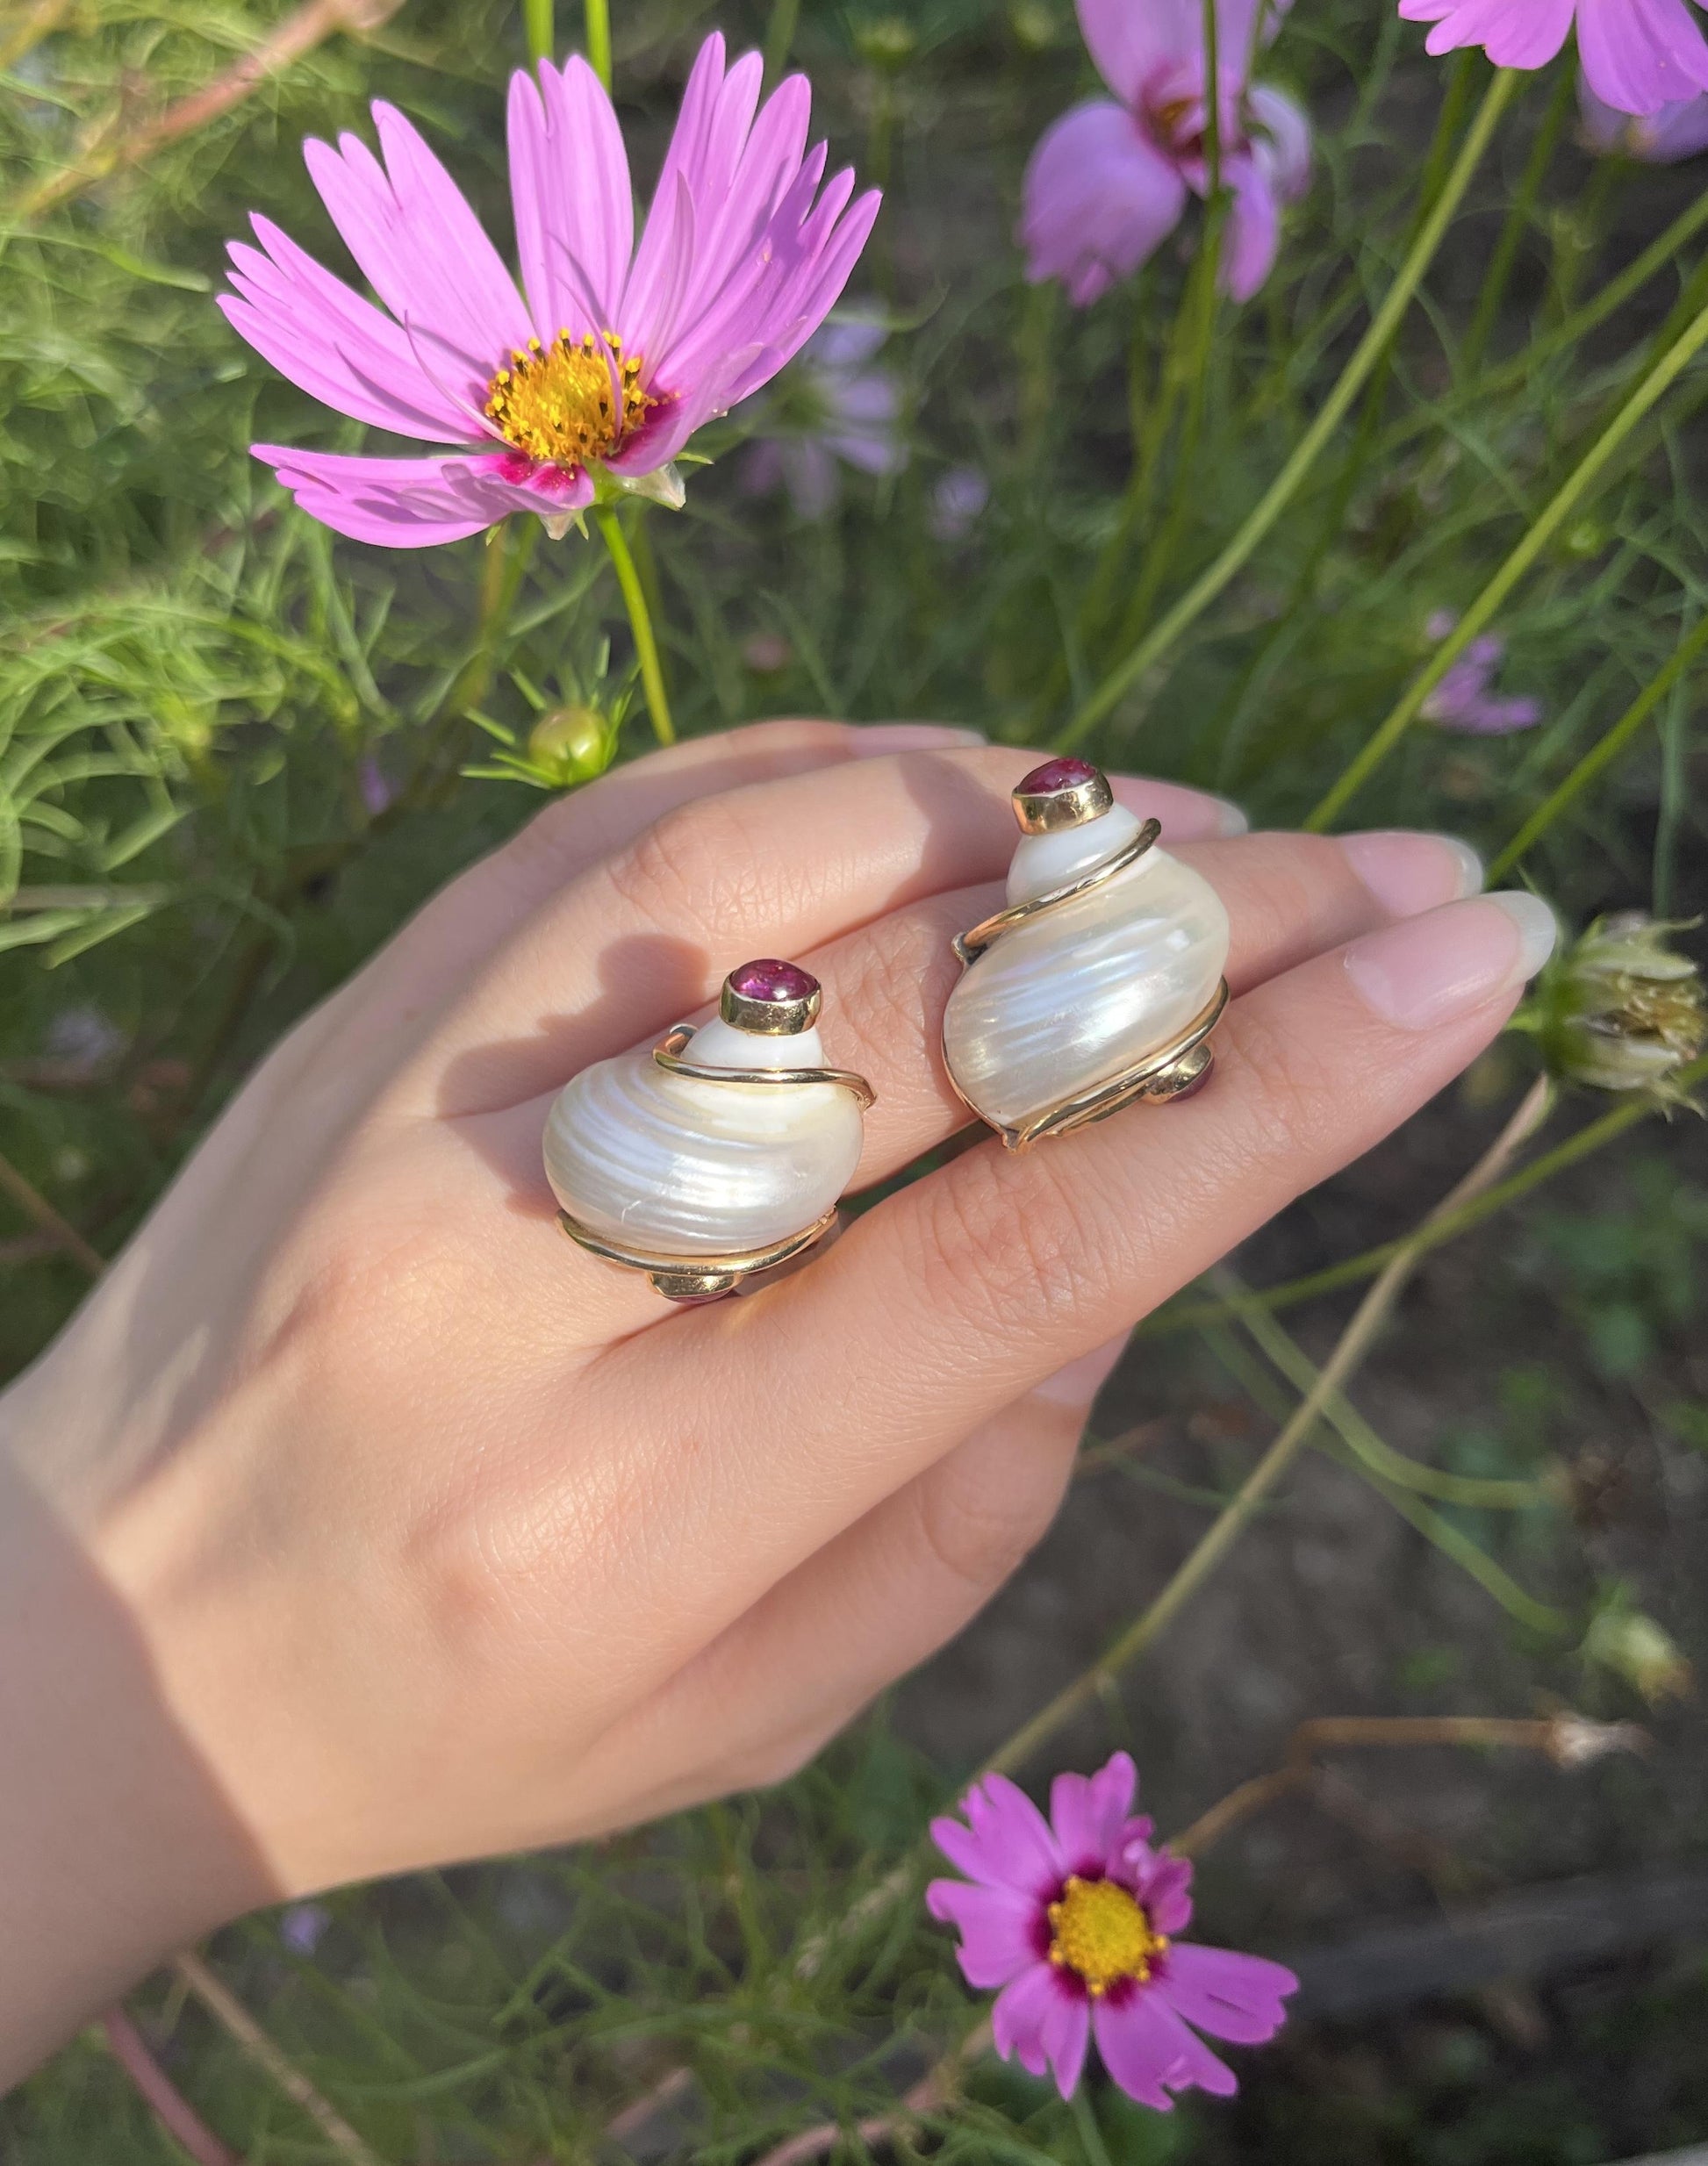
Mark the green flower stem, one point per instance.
(597, 16)
(639, 619)
(1602, 753)
(1350, 1348)
(1287, 483)
(1539, 1617)
(1596, 311)
(1519, 215)
(779, 38)
(1535, 539)
(539, 29)
(1193, 1314)
(1374, 1454)
(1261, 1386)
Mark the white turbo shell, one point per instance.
(675, 1166)
(1073, 997)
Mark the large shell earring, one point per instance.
(720, 1153)
(1101, 981)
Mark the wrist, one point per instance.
(115, 1845)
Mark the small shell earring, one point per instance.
(1101, 981)
(720, 1153)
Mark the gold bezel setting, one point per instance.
(1070, 804)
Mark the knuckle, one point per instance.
(685, 865)
(886, 996)
(1291, 1096)
(1019, 1254)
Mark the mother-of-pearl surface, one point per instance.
(673, 1165)
(1065, 1000)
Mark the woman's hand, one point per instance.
(360, 1521)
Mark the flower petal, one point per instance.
(1137, 2045)
(700, 166)
(1225, 1993)
(1150, 2052)
(1090, 1814)
(331, 343)
(412, 503)
(766, 314)
(1098, 197)
(419, 246)
(1007, 1843)
(1043, 2019)
(1253, 227)
(1641, 55)
(1161, 1883)
(1514, 33)
(999, 1929)
(1281, 139)
(571, 192)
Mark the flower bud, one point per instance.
(570, 745)
(888, 41)
(1620, 1010)
(1630, 1643)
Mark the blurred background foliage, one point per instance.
(234, 752)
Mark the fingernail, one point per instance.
(1408, 873)
(1428, 970)
(878, 739)
(1080, 1381)
(1233, 820)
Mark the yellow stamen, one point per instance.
(555, 404)
(1100, 1931)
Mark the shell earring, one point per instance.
(720, 1152)
(1101, 981)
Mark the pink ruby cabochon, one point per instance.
(768, 979)
(1065, 773)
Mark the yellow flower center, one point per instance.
(556, 403)
(1100, 1930)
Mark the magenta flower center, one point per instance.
(568, 403)
(1100, 1930)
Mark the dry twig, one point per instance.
(111, 146)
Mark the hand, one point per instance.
(360, 1521)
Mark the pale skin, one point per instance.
(360, 1522)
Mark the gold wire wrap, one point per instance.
(1171, 1071)
(668, 1054)
(970, 946)
(698, 1278)
(702, 1278)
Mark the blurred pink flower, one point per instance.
(618, 353)
(835, 405)
(958, 503)
(1676, 131)
(303, 1926)
(1637, 55)
(1109, 182)
(1074, 1918)
(1462, 699)
(375, 785)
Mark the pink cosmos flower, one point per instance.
(1462, 700)
(617, 355)
(1675, 131)
(1075, 1918)
(839, 403)
(1637, 55)
(1109, 182)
